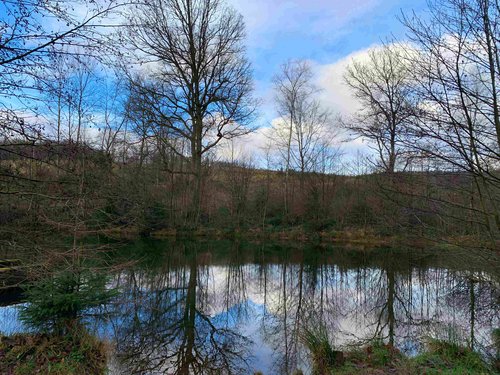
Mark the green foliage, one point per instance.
(320, 225)
(496, 339)
(361, 213)
(223, 216)
(54, 304)
(381, 355)
(275, 220)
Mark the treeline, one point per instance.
(89, 192)
(129, 117)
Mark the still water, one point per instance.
(230, 307)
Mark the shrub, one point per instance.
(54, 304)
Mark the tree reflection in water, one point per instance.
(223, 307)
(164, 325)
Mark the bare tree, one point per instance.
(303, 123)
(203, 87)
(26, 38)
(28, 44)
(381, 86)
(456, 76)
(31, 51)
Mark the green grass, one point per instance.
(449, 358)
(323, 357)
(440, 357)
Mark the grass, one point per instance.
(448, 358)
(76, 354)
(375, 358)
(323, 356)
(440, 357)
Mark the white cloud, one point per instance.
(330, 78)
(248, 148)
(335, 95)
(266, 20)
(339, 97)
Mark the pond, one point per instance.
(198, 306)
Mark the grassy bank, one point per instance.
(297, 233)
(359, 237)
(439, 357)
(76, 354)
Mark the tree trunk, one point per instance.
(196, 154)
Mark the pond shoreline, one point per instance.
(299, 234)
(75, 353)
(81, 352)
(363, 238)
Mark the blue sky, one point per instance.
(329, 33)
(323, 31)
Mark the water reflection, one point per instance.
(165, 324)
(231, 308)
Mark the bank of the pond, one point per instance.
(378, 358)
(298, 233)
(77, 354)
(356, 237)
(84, 354)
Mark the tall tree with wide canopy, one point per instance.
(201, 86)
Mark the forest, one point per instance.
(128, 119)
(124, 120)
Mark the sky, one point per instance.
(328, 33)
